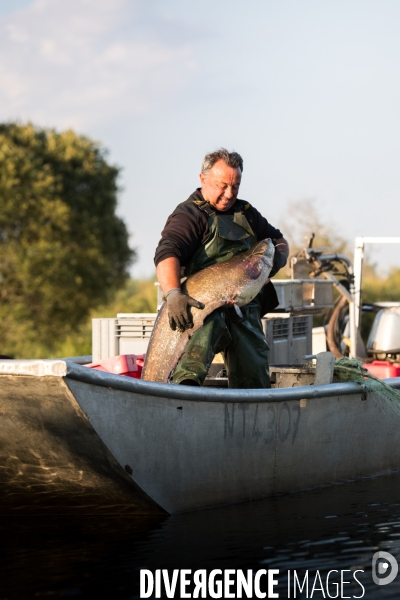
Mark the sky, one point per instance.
(308, 91)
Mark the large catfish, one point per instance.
(236, 281)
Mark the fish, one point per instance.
(236, 281)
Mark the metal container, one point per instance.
(303, 295)
(282, 376)
(384, 337)
(287, 376)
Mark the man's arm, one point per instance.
(282, 245)
(169, 274)
(179, 313)
(281, 255)
(184, 230)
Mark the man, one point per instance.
(212, 226)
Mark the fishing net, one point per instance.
(351, 370)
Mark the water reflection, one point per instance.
(338, 528)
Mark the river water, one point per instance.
(336, 528)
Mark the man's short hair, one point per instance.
(232, 159)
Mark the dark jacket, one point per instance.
(187, 228)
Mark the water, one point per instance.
(340, 527)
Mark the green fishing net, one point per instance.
(352, 370)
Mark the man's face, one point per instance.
(220, 186)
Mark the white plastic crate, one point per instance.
(289, 338)
(128, 333)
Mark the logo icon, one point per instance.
(385, 564)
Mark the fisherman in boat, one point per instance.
(211, 226)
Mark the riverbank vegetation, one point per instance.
(137, 296)
(63, 250)
(303, 219)
(65, 254)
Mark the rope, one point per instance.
(350, 369)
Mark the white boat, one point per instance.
(73, 438)
(76, 439)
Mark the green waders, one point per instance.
(241, 341)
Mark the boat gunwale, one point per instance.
(205, 394)
(70, 369)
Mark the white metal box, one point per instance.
(303, 295)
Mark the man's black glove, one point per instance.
(280, 260)
(179, 313)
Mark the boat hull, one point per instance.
(189, 454)
(185, 448)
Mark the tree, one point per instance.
(302, 219)
(63, 250)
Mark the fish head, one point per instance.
(265, 249)
(256, 264)
(260, 258)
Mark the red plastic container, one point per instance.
(130, 365)
(383, 369)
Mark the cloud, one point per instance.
(75, 63)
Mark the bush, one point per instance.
(63, 250)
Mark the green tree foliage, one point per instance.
(382, 289)
(63, 250)
(137, 296)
